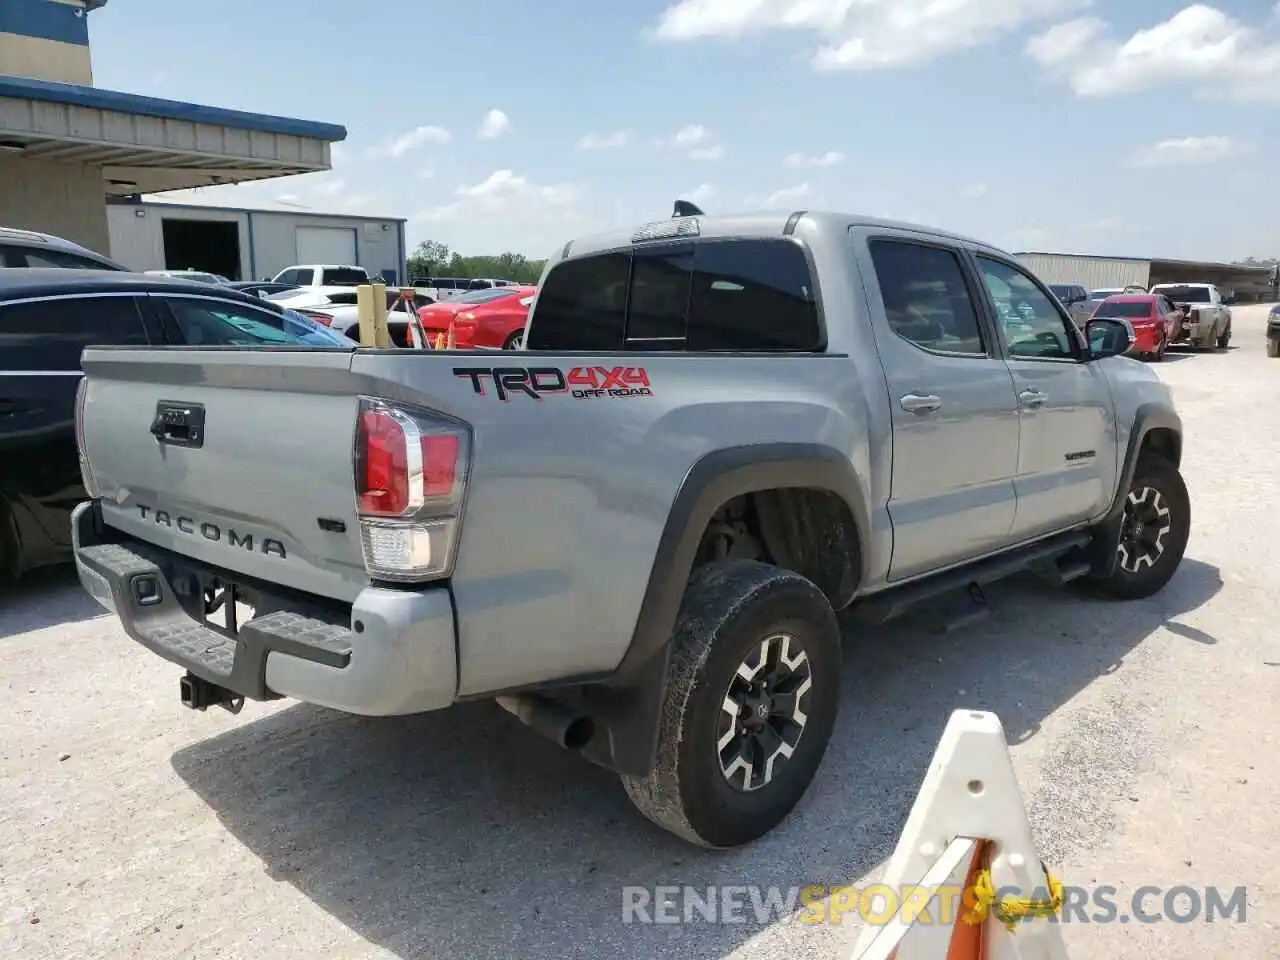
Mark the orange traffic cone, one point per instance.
(967, 834)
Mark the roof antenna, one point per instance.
(684, 208)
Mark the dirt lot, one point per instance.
(1145, 736)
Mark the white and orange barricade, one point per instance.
(967, 839)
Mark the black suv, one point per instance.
(47, 318)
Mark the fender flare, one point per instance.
(1147, 418)
(629, 701)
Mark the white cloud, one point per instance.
(790, 197)
(799, 160)
(504, 192)
(1200, 46)
(1188, 151)
(494, 125)
(699, 194)
(861, 34)
(605, 141)
(694, 141)
(418, 137)
(975, 190)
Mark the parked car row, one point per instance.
(47, 317)
(1195, 314)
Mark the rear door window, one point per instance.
(217, 323)
(50, 335)
(926, 300)
(709, 295)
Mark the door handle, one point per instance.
(1031, 398)
(918, 403)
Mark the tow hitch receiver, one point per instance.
(199, 694)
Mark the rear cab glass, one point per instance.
(742, 295)
(1185, 294)
(1125, 308)
(344, 277)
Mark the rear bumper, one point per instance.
(391, 652)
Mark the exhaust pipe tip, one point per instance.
(558, 723)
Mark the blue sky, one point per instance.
(1135, 128)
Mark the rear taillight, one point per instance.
(86, 475)
(410, 477)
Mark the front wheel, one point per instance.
(1225, 338)
(752, 692)
(1153, 532)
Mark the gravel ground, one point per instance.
(130, 827)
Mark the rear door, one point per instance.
(955, 424)
(40, 346)
(1066, 453)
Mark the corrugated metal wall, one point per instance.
(1090, 272)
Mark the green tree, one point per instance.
(433, 259)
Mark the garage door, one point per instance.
(335, 245)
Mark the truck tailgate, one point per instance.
(268, 491)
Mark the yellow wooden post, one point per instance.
(371, 310)
(381, 336)
(365, 313)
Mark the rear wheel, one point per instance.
(515, 341)
(1225, 338)
(753, 688)
(1153, 532)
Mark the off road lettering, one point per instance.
(212, 532)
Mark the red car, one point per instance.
(481, 318)
(1155, 320)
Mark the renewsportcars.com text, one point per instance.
(878, 904)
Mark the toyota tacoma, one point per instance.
(635, 533)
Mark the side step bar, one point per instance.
(897, 600)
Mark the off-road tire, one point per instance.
(1225, 338)
(1273, 348)
(729, 609)
(1154, 473)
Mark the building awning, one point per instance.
(148, 145)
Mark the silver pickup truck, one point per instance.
(634, 534)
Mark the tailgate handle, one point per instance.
(179, 424)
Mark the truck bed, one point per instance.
(576, 461)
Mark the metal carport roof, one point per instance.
(149, 145)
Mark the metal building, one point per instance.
(1092, 273)
(67, 146)
(251, 244)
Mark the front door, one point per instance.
(1066, 454)
(955, 422)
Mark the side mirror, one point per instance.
(1109, 337)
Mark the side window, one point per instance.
(56, 258)
(303, 278)
(752, 295)
(217, 323)
(51, 334)
(288, 276)
(1031, 324)
(926, 300)
(583, 305)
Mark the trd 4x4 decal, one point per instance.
(583, 383)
